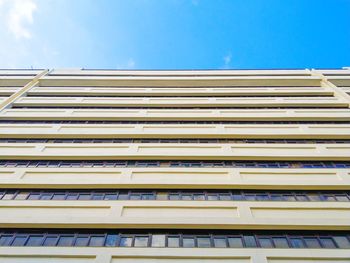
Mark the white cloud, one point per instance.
(227, 59)
(18, 16)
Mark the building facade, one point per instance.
(239, 166)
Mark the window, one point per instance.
(342, 241)
(81, 241)
(249, 241)
(312, 242)
(265, 242)
(50, 241)
(125, 241)
(19, 241)
(188, 242)
(280, 242)
(219, 242)
(34, 240)
(158, 241)
(235, 242)
(173, 241)
(297, 242)
(65, 241)
(203, 241)
(111, 240)
(141, 241)
(97, 241)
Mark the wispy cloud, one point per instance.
(227, 60)
(17, 15)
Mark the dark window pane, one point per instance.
(342, 241)
(34, 241)
(141, 241)
(297, 242)
(173, 241)
(188, 242)
(280, 242)
(220, 242)
(50, 241)
(97, 241)
(262, 197)
(249, 241)
(235, 242)
(81, 241)
(327, 242)
(314, 197)
(19, 241)
(174, 197)
(125, 241)
(147, 197)
(158, 241)
(5, 240)
(312, 242)
(65, 241)
(265, 242)
(111, 240)
(135, 197)
(203, 242)
(97, 196)
(237, 196)
(225, 197)
(123, 196)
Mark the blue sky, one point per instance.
(174, 34)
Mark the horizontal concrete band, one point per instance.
(179, 114)
(176, 215)
(176, 91)
(164, 255)
(174, 151)
(183, 102)
(214, 131)
(175, 178)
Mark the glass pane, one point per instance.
(265, 242)
(72, 196)
(312, 242)
(187, 197)
(203, 242)
(280, 242)
(219, 242)
(329, 198)
(199, 197)
(135, 197)
(249, 241)
(46, 196)
(97, 241)
(262, 197)
(327, 242)
(237, 196)
(22, 195)
(188, 242)
(81, 241)
(111, 240)
(34, 196)
(125, 241)
(59, 196)
(111, 197)
(19, 241)
(141, 241)
(297, 242)
(158, 241)
(225, 197)
(342, 198)
(97, 196)
(8, 196)
(174, 197)
(235, 242)
(173, 241)
(5, 240)
(162, 196)
(65, 241)
(314, 197)
(213, 197)
(34, 241)
(342, 241)
(50, 241)
(302, 198)
(84, 197)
